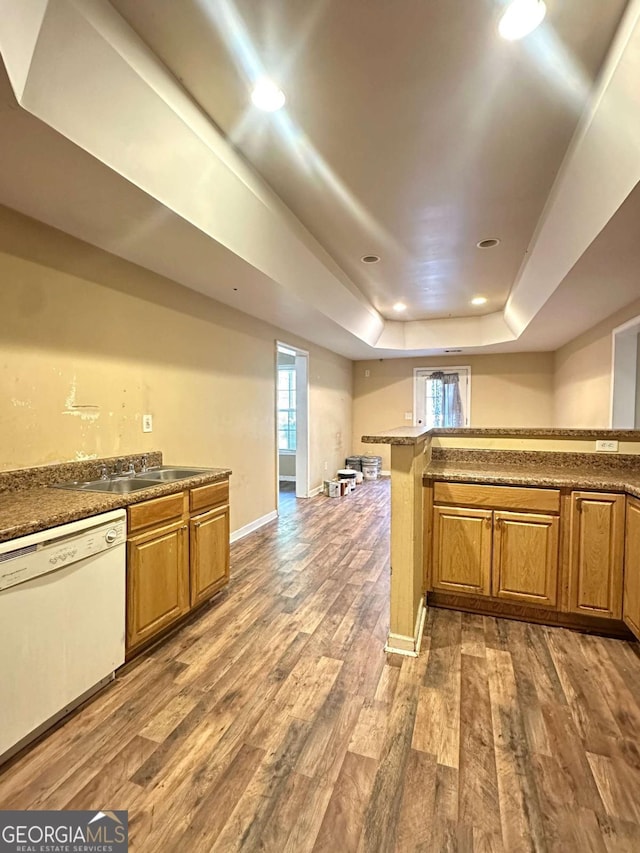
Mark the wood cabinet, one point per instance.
(525, 558)
(462, 549)
(209, 539)
(157, 581)
(631, 597)
(597, 554)
(536, 553)
(177, 558)
(504, 553)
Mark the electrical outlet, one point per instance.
(408, 416)
(326, 466)
(606, 446)
(367, 374)
(147, 423)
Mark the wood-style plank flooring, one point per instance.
(276, 722)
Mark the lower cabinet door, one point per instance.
(462, 550)
(631, 598)
(597, 554)
(209, 553)
(525, 558)
(157, 581)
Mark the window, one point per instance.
(441, 397)
(286, 407)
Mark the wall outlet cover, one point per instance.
(408, 416)
(606, 446)
(147, 423)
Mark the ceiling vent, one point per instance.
(452, 351)
(370, 259)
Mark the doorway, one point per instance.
(441, 396)
(625, 378)
(292, 423)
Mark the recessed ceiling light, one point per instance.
(267, 96)
(488, 244)
(370, 259)
(399, 307)
(520, 18)
(479, 300)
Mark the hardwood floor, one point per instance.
(276, 722)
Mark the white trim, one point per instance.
(283, 452)
(418, 371)
(401, 644)
(315, 492)
(241, 532)
(287, 478)
(624, 379)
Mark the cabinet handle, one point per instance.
(487, 521)
(197, 524)
(184, 527)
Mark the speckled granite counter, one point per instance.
(28, 510)
(553, 470)
(400, 435)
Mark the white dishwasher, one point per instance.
(62, 622)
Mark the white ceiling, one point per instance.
(410, 136)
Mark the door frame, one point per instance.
(302, 418)
(625, 378)
(420, 372)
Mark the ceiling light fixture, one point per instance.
(479, 300)
(488, 244)
(370, 259)
(267, 96)
(399, 307)
(520, 18)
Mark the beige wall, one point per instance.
(508, 390)
(582, 387)
(89, 343)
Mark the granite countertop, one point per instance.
(414, 435)
(542, 473)
(400, 435)
(28, 510)
(537, 432)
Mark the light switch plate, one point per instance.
(606, 446)
(147, 423)
(408, 416)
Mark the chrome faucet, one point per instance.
(143, 463)
(103, 472)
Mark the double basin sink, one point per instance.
(125, 484)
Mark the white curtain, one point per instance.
(448, 402)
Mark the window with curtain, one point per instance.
(286, 407)
(442, 397)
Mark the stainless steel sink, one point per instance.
(114, 487)
(167, 474)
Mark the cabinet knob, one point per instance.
(184, 527)
(487, 521)
(197, 524)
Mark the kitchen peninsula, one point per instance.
(530, 524)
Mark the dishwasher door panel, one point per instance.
(61, 634)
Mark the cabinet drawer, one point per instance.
(497, 497)
(209, 495)
(155, 511)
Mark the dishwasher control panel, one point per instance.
(23, 559)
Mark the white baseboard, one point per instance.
(385, 473)
(402, 644)
(287, 478)
(316, 491)
(241, 532)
